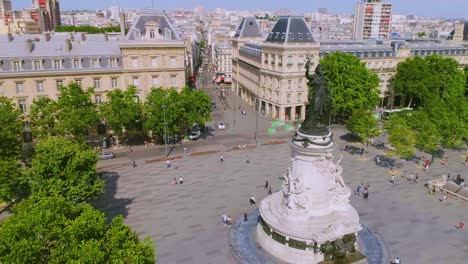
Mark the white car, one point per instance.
(195, 135)
(221, 126)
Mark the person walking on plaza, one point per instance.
(224, 218)
(245, 217)
(247, 160)
(461, 225)
(181, 180)
(393, 179)
(221, 158)
(358, 190)
(444, 198)
(134, 164)
(168, 164)
(185, 150)
(229, 221)
(174, 181)
(266, 184)
(396, 261)
(269, 189)
(252, 200)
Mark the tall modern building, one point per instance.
(5, 6)
(49, 14)
(372, 20)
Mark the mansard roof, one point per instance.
(290, 29)
(145, 17)
(248, 28)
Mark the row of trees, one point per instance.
(74, 112)
(440, 119)
(87, 29)
(52, 221)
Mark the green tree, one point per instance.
(52, 230)
(401, 136)
(353, 86)
(13, 184)
(163, 106)
(121, 111)
(61, 167)
(10, 129)
(87, 29)
(43, 117)
(76, 112)
(363, 124)
(197, 109)
(411, 79)
(428, 137)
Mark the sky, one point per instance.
(429, 8)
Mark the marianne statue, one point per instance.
(318, 114)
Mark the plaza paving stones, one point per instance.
(184, 221)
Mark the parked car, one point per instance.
(221, 126)
(106, 155)
(194, 135)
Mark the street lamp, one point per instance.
(165, 129)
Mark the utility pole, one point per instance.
(165, 129)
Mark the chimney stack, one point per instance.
(47, 36)
(10, 37)
(29, 45)
(83, 36)
(122, 25)
(68, 45)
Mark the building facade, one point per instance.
(223, 61)
(151, 55)
(269, 74)
(49, 14)
(372, 20)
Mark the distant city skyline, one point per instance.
(429, 8)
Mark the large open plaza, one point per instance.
(184, 221)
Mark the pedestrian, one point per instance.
(245, 217)
(358, 190)
(416, 178)
(448, 177)
(362, 151)
(134, 164)
(247, 160)
(377, 159)
(229, 221)
(168, 164)
(393, 179)
(252, 200)
(221, 158)
(146, 143)
(365, 194)
(181, 180)
(396, 261)
(266, 184)
(269, 189)
(461, 225)
(185, 150)
(411, 178)
(466, 161)
(444, 198)
(404, 174)
(174, 181)
(224, 218)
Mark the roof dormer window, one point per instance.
(152, 34)
(167, 33)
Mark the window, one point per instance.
(76, 63)
(97, 83)
(277, 96)
(113, 62)
(167, 33)
(152, 34)
(155, 81)
(173, 80)
(290, 60)
(114, 82)
(59, 83)
(78, 82)
(288, 98)
(299, 83)
(19, 87)
(37, 65)
(94, 63)
(299, 97)
(40, 86)
(134, 62)
(97, 99)
(16, 65)
(154, 62)
(136, 81)
(289, 84)
(57, 64)
(22, 106)
(173, 61)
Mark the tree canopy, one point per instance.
(64, 168)
(71, 115)
(87, 29)
(178, 110)
(52, 230)
(363, 124)
(122, 111)
(401, 136)
(13, 184)
(352, 85)
(10, 129)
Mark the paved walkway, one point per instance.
(184, 220)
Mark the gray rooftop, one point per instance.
(290, 29)
(138, 29)
(248, 28)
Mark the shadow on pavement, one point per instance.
(108, 203)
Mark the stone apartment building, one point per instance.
(269, 73)
(223, 61)
(150, 55)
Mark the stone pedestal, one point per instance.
(312, 206)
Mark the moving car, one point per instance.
(194, 135)
(221, 126)
(106, 155)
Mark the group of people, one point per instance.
(226, 219)
(181, 180)
(364, 189)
